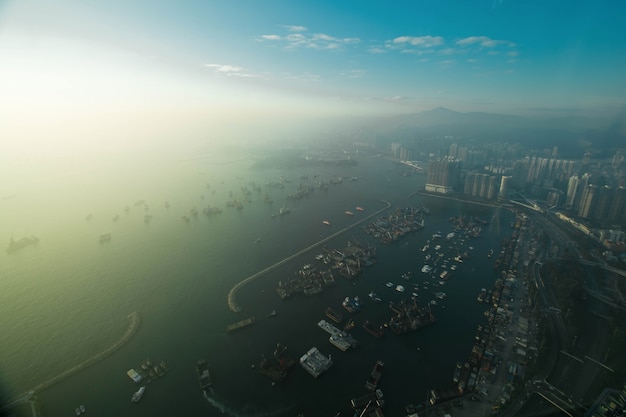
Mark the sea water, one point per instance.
(68, 298)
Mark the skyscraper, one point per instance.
(572, 186)
(587, 202)
(505, 184)
(443, 175)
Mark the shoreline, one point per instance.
(231, 298)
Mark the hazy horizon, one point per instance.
(84, 76)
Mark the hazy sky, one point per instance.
(81, 69)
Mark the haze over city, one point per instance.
(313, 208)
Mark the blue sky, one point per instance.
(234, 60)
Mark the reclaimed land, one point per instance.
(232, 302)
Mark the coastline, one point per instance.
(231, 299)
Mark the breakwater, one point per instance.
(30, 396)
(133, 326)
(232, 294)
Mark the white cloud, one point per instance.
(323, 37)
(483, 41)
(271, 37)
(423, 41)
(224, 68)
(377, 50)
(355, 73)
(513, 53)
(447, 51)
(295, 28)
(472, 60)
(417, 51)
(231, 71)
(303, 40)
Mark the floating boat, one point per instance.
(399, 288)
(389, 284)
(359, 209)
(137, 395)
(374, 297)
(326, 222)
(349, 213)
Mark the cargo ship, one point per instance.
(377, 372)
(376, 331)
(327, 327)
(272, 369)
(134, 375)
(137, 395)
(339, 341)
(204, 377)
(334, 315)
(240, 324)
(15, 245)
(315, 363)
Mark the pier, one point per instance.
(133, 326)
(232, 302)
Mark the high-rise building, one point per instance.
(505, 184)
(584, 181)
(587, 202)
(603, 203)
(572, 186)
(617, 211)
(553, 198)
(443, 175)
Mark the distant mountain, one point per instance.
(571, 134)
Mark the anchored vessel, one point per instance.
(137, 395)
(240, 324)
(204, 377)
(334, 315)
(15, 245)
(377, 372)
(315, 363)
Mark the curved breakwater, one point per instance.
(133, 326)
(232, 302)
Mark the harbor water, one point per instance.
(67, 298)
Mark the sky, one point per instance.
(78, 73)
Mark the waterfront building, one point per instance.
(443, 175)
(505, 185)
(480, 185)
